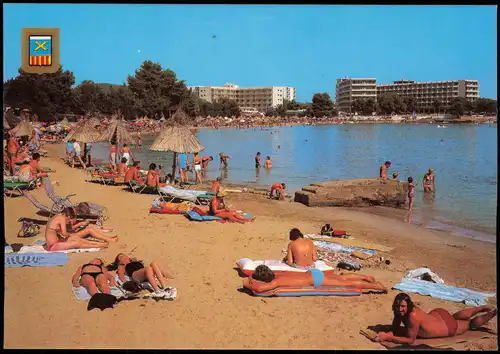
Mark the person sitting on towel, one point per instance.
(59, 239)
(435, 324)
(94, 277)
(218, 208)
(137, 272)
(133, 173)
(301, 253)
(263, 279)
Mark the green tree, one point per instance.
(293, 105)
(438, 106)
(370, 106)
(399, 104)
(89, 98)
(486, 105)
(358, 105)
(45, 94)
(411, 104)
(322, 105)
(386, 103)
(156, 89)
(457, 106)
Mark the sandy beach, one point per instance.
(210, 311)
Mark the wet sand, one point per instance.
(210, 311)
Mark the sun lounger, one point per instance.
(199, 197)
(142, 188)
(16, 187)
(97, 175)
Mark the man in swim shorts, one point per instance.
(277, 189)
(384, 168)
(301, 253)
(435, 324)
(263, 279)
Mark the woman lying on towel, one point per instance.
(138, 273)
(58, 238)
(435, 324)
(263, 279)
(218, 208)
(94, 277)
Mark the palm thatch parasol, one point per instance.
(64, 122)
(117, 132)
(23, 129)
(177, 138)
(85, 133)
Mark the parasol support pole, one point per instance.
(173, 168)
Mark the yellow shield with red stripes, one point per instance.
(40, 50)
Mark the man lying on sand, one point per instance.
(136, 271)
(58, 238)
(301, 253)
(263, 279)
(218, 208)
(94, 277)
(435, 324)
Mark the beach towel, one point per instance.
(285, 291)
(81, 293)
(357, 244)
(35, 260)
(169, 293)
(468, 336)
(444, 292)
(424, 273)
(247, 266)
(166, 211)
(43, 249)
(337, 247)
(194, 216)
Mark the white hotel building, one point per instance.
(259, 98)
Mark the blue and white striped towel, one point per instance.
(444, 292)
(337, 247)
(35, 260)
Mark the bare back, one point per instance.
(301, 252)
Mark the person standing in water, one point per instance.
(139, 139)
(384, 169)
(268, 163)
(428, 181)
(257, 160)
(411, 195)
(223, 160)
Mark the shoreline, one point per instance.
(202, 258)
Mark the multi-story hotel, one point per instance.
(426, 93)
(260, 98)
(349, 89)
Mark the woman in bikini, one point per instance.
(137, 272)
(197, 167)
(428, 181)
(58, 238)
(218, 208)
(263, 279)
(94, 277)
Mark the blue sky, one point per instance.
(307, 47)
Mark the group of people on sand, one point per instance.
(96, 277)
(428, 182)
(301, 254)
(22, 161)
(76, 153)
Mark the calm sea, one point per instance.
(464, 158)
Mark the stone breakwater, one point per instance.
(354, 192)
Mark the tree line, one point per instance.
(156, 92)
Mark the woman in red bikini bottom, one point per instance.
(435, 324)
(58, 238)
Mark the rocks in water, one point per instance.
(354, 192)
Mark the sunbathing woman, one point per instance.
(58, 238)
(94, 277)
(136, 271)
(153, 177)
(218, 208)
(263, 279)
(435, 324)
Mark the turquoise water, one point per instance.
(464, 158)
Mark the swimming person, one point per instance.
(277, 191)
(137, 272)
(257, 160)
(58, 238)
(437, 323)
(268, 163)
(301, 253)
(263, 279)
(384, 168)
(94, 277)
(428, 181)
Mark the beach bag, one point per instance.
(326, 230)
(101, 301)
(28, 229)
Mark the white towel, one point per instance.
(167, 294)
(41, 249)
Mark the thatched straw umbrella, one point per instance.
(64, 122)
(177, 138)
(23, 129)
(85, 133)
(117, 132)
